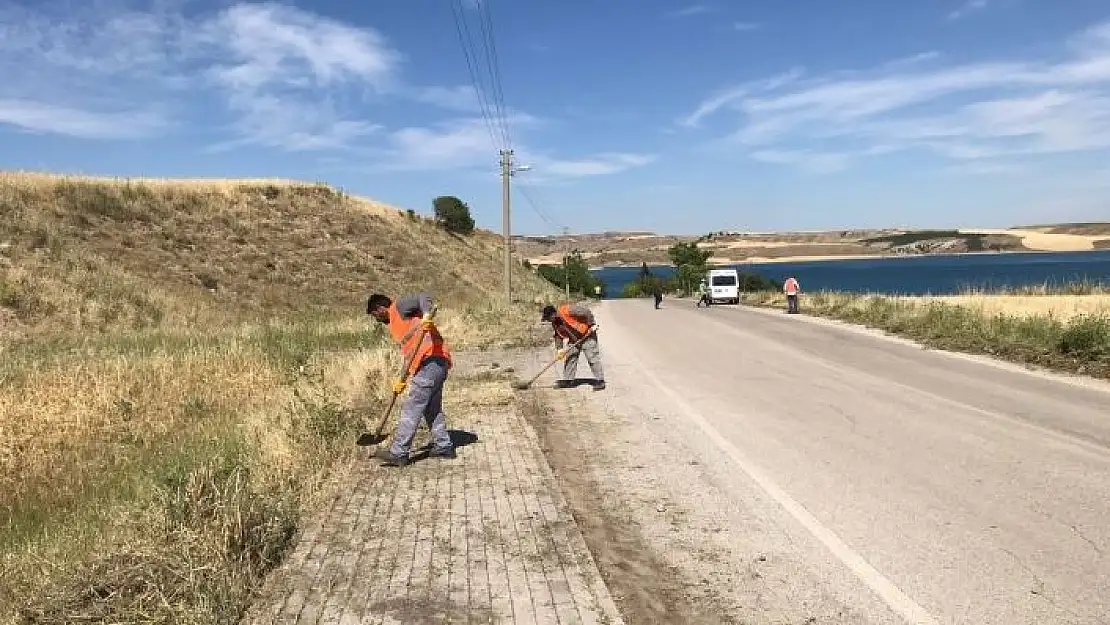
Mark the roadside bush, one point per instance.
(582, 281)
(1079, 345)
(750, 283)
(1086, 337)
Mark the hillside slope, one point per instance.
(83, 253)
(185, 369)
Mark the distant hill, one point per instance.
(1085, 229)
(730, 247)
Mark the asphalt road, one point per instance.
(929, 488)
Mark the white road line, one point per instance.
(893, 596)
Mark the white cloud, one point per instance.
(814, 162)
(596, 165)
(285, 73)
(985, 168)
(746, 26)
(458, 144)
(273, 45)
(914, 59)
(724, 98)
(106, 71)
(467, 144)
(76, 72)
(37, 117)
(969, 111)
(460, 98)
(689, 11)
(967, 8)
(248, 74)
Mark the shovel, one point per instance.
(377, 437)
(520, 386)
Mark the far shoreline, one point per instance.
(833, 258)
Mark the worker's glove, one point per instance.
(427, 324)
(561, 354)
(399, 387)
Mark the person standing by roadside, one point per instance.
(411, 326)
(792, 289)
(703, 294)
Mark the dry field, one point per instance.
(184, 367)
(1059, 307)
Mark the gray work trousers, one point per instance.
(792, 304)
(424, 401)
(593, 356)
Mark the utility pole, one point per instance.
(566, 260)
(508, 169)
(506, 174)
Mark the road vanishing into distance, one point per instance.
(887, 482)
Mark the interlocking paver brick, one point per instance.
(486, 538)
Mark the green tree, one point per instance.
(582, 281)
(645, 282)
(645, 286)
(691, 262)
(453, 215)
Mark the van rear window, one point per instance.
(724, 280)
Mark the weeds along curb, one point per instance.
(1079, 345)
(187, 473)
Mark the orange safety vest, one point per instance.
(791, 287)
(407, 334)
(579, 327)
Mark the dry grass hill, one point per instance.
(94, 254)
(184, 369)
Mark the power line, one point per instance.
(493, 66)
(494, 110)
(459, 13)
(543, 214)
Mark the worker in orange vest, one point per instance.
(411, 327)
(791, 288)
(573, 323)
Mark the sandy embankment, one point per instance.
(1046, 242)
(761, 260)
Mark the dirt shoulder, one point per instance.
(645, 588)
(672, 544)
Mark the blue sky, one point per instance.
(661, 115)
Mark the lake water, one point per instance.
(914, 275)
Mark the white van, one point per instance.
(724, 285)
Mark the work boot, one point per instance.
(443, 454)
(562, 384)
(388, 459)
(599, 385)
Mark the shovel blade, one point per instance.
(369, 440)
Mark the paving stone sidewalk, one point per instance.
(485, 538)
